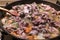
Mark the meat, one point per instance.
(47, 35)
(26, 10)
(45, 7)
(33, 32)
(23, 36)
(30, 20)
(14, 12)
(57, 24)
(53, 30)
(58, 12)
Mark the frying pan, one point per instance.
(9, 6)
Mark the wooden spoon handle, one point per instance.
(6, 10)
(3, 9)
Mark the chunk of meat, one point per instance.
(57, 24)
(14, 12)
(53, 30)
(47, 35)
(58, 12)
(23, 36)
(34, 32)
(45, 7)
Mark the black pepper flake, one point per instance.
(30, 34)
(22, 15)
(36, 24)
(26, 24)
(52, 24)
(31, 18)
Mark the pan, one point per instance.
(9, 6)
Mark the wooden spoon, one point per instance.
(12, 12)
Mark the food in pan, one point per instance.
(33, 21)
